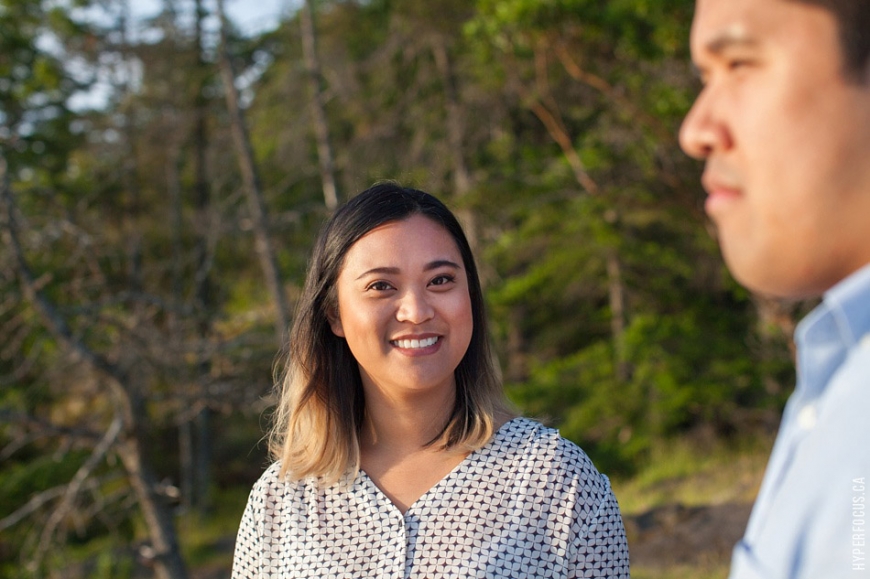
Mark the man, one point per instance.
(783, 124)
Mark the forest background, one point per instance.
(155, 235)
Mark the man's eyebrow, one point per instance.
(395, 270)
(730, 38)
(722, 42)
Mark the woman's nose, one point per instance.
(414, 307)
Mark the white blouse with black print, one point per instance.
(528, 504)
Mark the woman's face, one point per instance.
(404, 306)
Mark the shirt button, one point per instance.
(807, 417)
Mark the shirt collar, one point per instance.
(824, 337)
(850, 302)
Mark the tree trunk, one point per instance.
(167, 560)
(199, 467)
(517, 367)
(129, 168)
(455, 139)
(202, 465)
(455, 124)
(253, 190)
(617, 314)
(318, 108)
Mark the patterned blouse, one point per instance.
(528, 504)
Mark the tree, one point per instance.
(318, 114)
(253, 188)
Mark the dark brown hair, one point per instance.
(853, 21)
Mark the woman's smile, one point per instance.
(419, 346)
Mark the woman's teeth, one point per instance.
(413, 344)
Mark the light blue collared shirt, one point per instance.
(810, 519)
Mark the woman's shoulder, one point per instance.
(530, 442)
(275, 483)
(268, 480)
(528, 432)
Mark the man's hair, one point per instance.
(853, 21)
(321, 405)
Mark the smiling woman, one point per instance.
(396, 452)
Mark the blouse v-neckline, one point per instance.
(473, 456)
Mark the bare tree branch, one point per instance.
(75, 486)
(552, 120)
(49, 314)
(31, 506)
(575, 71)
(43, 428)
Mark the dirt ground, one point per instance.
(678, 535)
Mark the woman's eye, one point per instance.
(379, 286)
(443, 279)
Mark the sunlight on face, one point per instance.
(404, 306)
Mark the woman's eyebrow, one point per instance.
(395, 270)
(386, 270)
(441, 263)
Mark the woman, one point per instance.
(396, 452)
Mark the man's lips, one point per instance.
(720, 192)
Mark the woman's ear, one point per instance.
(335, 323)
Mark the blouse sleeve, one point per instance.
(246, 559)
(603, 550)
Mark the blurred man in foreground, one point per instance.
(783, 124)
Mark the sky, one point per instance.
(250, 16)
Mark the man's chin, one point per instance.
(768, 281)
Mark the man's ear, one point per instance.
(335, 323)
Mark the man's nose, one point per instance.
(704, 130)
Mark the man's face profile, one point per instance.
(786, 137)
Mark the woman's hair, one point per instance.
(321, 403)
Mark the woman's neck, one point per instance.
(394, 444)
(404, 424)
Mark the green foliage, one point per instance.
(612, 315)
